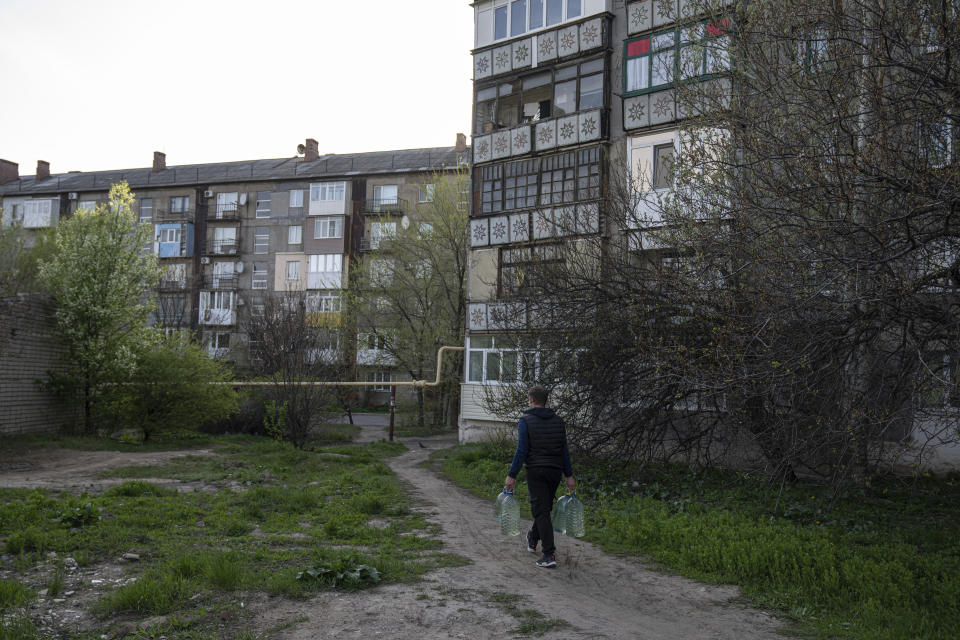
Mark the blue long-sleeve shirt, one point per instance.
(523, 450)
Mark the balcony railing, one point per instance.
(223, 247)
(230, 213)
(384, 205)
(172, 215)
(220, 282)
(375, 244)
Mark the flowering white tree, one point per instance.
(101, 281)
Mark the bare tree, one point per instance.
(797, 288)
(291, 343)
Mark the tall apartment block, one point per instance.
(567, 95)
(228, 234)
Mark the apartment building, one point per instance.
(228, 234)
(567, 94)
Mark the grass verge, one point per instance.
(261, 513)
(874, 563)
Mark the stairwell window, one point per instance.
(263, 204)
(146, 209)
(259, 275)
(261, 239)
(296, 202)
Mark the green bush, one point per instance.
(175, 387)
(13, 594)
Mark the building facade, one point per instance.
(228, 234)
(568, 94)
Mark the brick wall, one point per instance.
(28, 350)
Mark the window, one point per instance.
(500, 23)
(381, 272)
(663, 155)
(554, 12)
(327, 191)
(179, 205)
(651, 62)
(812, 48)
(219, 340)
(88, 205)
(37, 213)
(259, 275)
(296, 202)
(220, 300)
(520, 184)
(263, 204)
(380, 231)
(425, 193)
(536, 14)
(518, 17)
(498, 359)
(517, 265)
(224, 240)
(293, 269)
(651, 160)
(557, 178)
(261, 239)
(226, 204)
(382, 377)
(146, 209)
(170, 235)
(295, 234)
(326, 263)
(936, 140)
(384, 194)
(328, 228)
(16, 214)
(371, 341)
(573, 8)
(572, 176)
(425, 228)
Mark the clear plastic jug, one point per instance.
(510, 515)
(573, 517)
(498, 505)
(559, 514)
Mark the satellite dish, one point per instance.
(404, 222)
(301, 149)
(239, 267)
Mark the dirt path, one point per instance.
(590, 595)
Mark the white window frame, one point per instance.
(293, 270)
(325, 263)
(260, 275)
(381, 200)
(226, 203)
(493, 356)
(382, 377)
(328, 227)
(170, 235)
(326, 302)
(296, 199)
(295, 234)
(263, 206)
(380, 231)
(146, 205)
(261, 241)
(426, 192)
(327, 191)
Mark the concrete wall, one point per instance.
(28, 350)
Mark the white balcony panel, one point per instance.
(375, 357)
(218, 316)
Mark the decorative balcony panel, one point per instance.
(522, 51)
(519, 227)
(546, 134)
(588, 218)
(543, 224)
(520, 141)
(499, 232)
(483, 65)
(546, 46)
(502, 59)
(664, 12)
(564, 221)
(662, 107)
(567, 131)
(640, 16)
(568, 41)
(591, 34)
(477, 316)
(588, 126)
(480, 232)
(482, 149)
(636, 112)
(501, 144)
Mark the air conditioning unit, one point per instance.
(205, 260)
(243, 198)
(208, 193)
(72, 195)
(239, 267)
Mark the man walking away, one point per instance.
(542, 445)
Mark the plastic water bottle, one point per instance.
(559, 514)
(498, 505)
(573, 514)
(510, 515)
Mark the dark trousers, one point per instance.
(543, 483)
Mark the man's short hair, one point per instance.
(538, 394)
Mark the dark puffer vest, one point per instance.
(546, 432)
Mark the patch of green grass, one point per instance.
(18, 628)
(880, 562)
(57, 581)
(530, 621)
(308, 508)
(13, 594)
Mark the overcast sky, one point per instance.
(102, 84)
